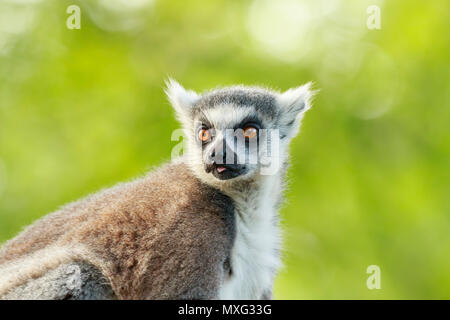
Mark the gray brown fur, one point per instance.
(73, 281)
(146, 243)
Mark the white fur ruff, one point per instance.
(255, 254)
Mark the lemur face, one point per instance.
(230, 138)
(238, 132)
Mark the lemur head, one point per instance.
(238, 133)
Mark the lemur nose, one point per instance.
(218, 157)
(219, 154)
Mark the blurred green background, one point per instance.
(370, 178)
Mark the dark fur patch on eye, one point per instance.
(251, 119)
(203, 123)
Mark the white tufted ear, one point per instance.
(181, 99)
(293, 103)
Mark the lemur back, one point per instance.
(165, 236)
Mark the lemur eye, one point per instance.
(250, 132)
(204, 135)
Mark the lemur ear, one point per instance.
(181, 99)
(293, 103)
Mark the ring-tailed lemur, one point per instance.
(204, 226)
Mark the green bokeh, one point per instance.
(370, 177)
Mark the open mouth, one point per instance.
(225, 172)
(221, 169)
